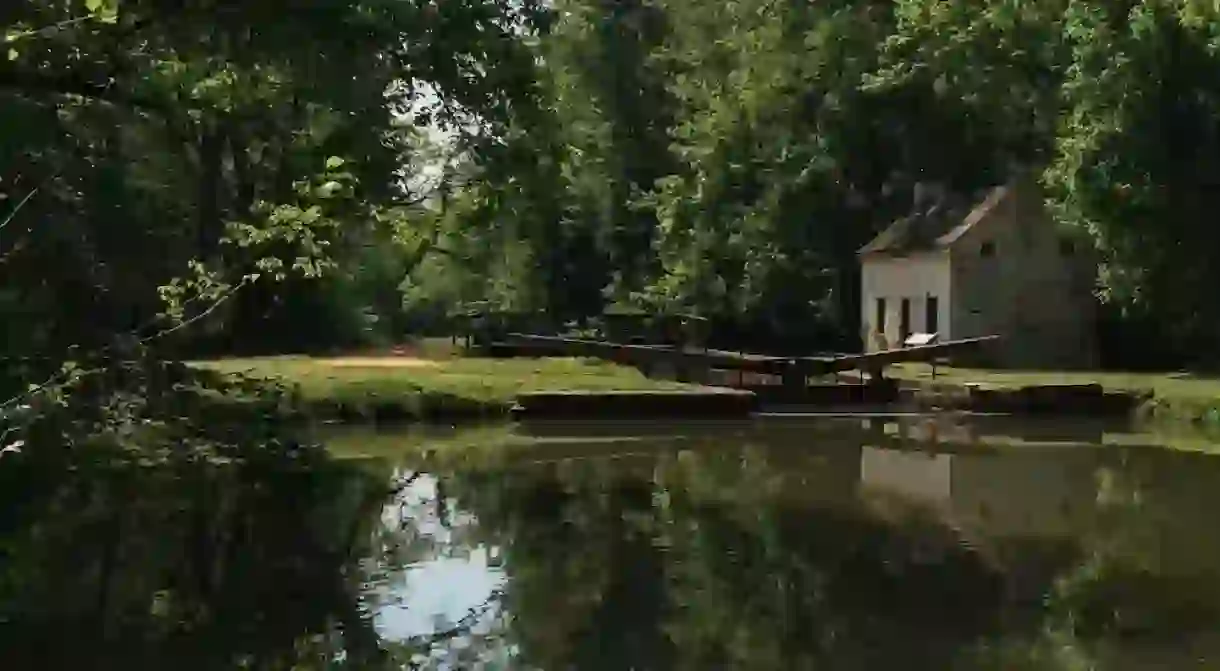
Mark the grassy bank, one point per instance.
(399, 387)
(1170, 398)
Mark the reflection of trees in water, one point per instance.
(185, 566)
(742, 562)
(711, 563)
(1152, 569)
(823, 584)
(1145, 591)
(585, 580)
(739, 558)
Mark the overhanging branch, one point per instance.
(73, 84)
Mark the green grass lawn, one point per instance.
(442, 387)
(407, 388)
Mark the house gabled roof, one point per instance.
(935, 228)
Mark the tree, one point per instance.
(1136, 163)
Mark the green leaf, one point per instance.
(94, 6)
(328, 189)
(12, 54)
(334, 163)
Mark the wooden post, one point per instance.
(876, 374)
(795, 376)
(682, 368)
(692, 368)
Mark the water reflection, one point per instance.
(896, 542)
(193, 566)
(849, 544)
(438, 578)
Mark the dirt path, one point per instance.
(379, 362)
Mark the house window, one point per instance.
(879, 317)
(931, 316)
(987, 249)
(904, 320)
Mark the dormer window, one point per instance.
(987, 249)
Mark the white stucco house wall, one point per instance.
(995, 266)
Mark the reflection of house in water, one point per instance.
(1035, 500)
(1029, 491)
(1025, 509)
(1015, 493)
(951, 430)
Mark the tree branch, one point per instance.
(462, 627)
(202, 315)
(45, 30)
(74, 84)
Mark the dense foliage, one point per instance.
(178, 177)
(184, 177)
(315, 174)
(729, 160)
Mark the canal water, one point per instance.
(786, 543)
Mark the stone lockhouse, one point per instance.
(994, 266)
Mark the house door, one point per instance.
(904, 321)
(931, 318)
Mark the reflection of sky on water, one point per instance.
(432, 596)
(440, 581)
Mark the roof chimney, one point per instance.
(919, 196)
(926, 195)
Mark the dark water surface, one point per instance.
(889, 543)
